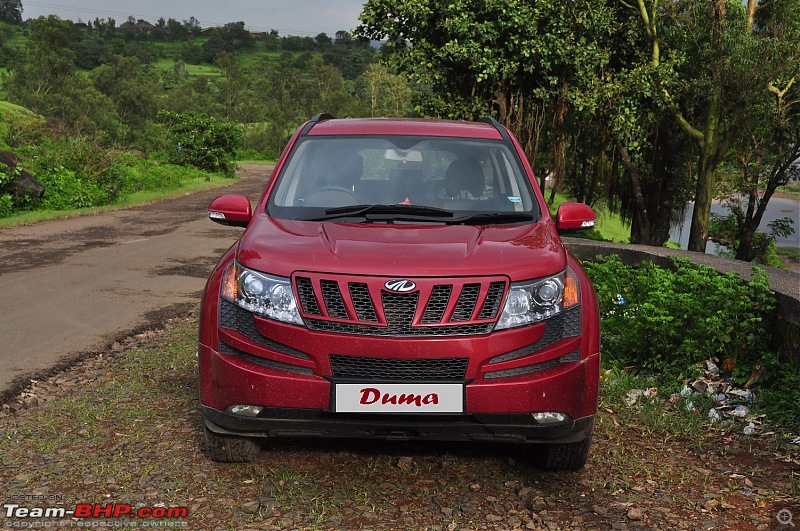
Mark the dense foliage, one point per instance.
(201, 141)
(636, 103)
(659, 319)
(665, 322)
(174, 93)
(77, 172)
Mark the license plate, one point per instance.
(399, 398)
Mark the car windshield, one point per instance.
(411, 179)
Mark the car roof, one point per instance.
(405, 126)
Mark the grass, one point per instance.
(166, 65)
(133, 199)
(790, 189)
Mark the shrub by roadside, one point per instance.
(666, 323)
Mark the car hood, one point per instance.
(282, 247)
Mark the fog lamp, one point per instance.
(244, 409)
(549, 417)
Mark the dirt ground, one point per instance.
(72, 287)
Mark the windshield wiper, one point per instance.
(385, 213)
(492, 218)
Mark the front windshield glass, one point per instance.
(326, 175)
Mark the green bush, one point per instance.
(6, 206)
(128, 174)
(66, 189)
(202, 141)
(665, 322)
(672, 319)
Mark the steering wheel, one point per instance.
(331, 196)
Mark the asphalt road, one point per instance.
(70, 288)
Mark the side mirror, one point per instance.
(233, 210)
(572, 217)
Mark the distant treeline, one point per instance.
(111, 81)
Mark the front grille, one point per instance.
(305, 292)
(493, 300)
(437, 308)
(362, 302)
(466, 302)
(437, 304)
(339, 327)
(366, 368)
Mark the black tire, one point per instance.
(229, 448)
(566, 457)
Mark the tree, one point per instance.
(764, 157)
(49, 62)
(133, 90)
(236, 34)
(387, 94)
(700, 53)
(11, 11)
(516, 60)
(323, 41)
(232, 81)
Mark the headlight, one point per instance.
(262, 294)
(534, 301)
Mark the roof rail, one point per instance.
(500, 129)
(321, 117)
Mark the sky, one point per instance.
(288, 17)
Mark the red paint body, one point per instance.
(562, 376)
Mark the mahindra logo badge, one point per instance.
(400, 286)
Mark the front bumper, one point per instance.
(287, 422)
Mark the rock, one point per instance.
(635, 514)
(30, 402)
(405, 463)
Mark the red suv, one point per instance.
(400, 279)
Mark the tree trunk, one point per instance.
(641, 234)
(710, 144)
(559, 153)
